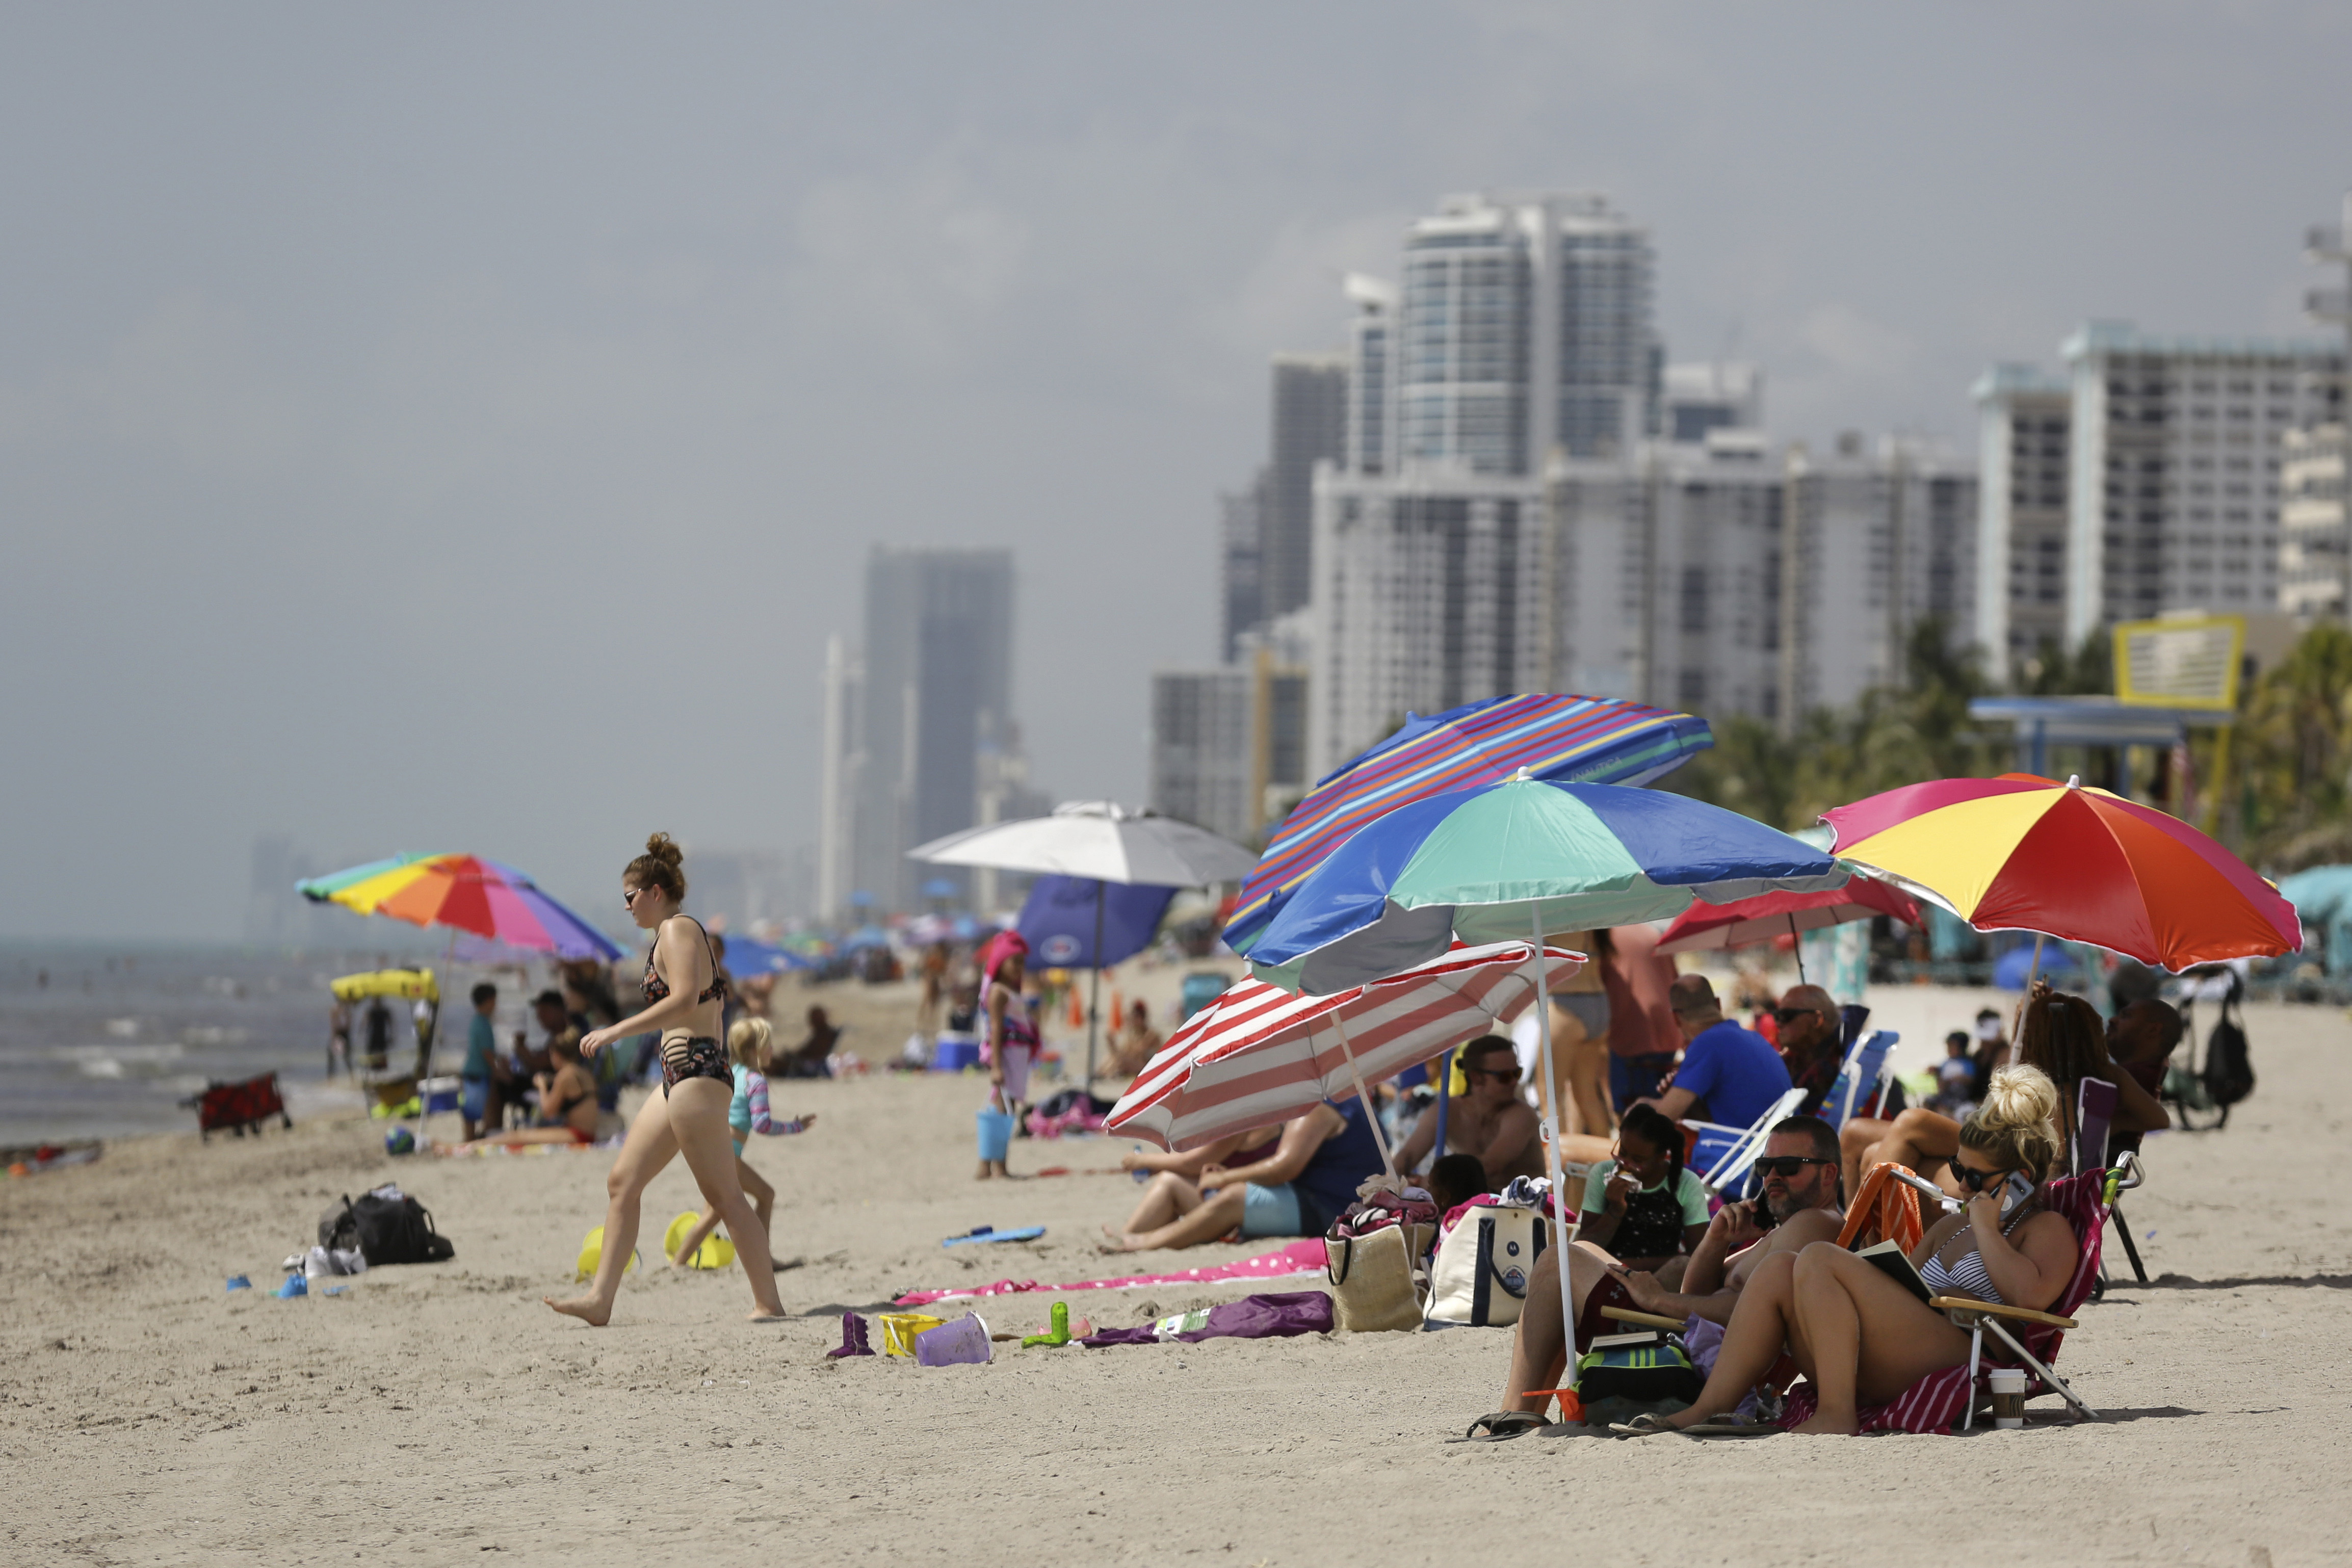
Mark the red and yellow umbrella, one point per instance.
(2025, 853)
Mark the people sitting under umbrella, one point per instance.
(1490, 1121)
(1298, 1190)
(567, 1098)
(1132, 1046)
(1729, 1075)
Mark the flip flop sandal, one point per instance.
(1502, 1427)
(1645, 1425)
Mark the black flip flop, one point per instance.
(1502, 1425)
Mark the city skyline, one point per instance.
(407, 436)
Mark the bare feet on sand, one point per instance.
(1115, 1241)
(587, 1309)
(1824, 1425)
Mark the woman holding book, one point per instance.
(1862, 1335)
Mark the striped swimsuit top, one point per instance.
(1968, 1277)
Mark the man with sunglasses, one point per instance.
(1809, 1042)
(1490, 1121)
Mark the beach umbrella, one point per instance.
(1101, 841)
(1527, 856)
(747, 955)
(1078, 922)
(463, 893)
(2024, 853)
(1769, 916)
(1585, 740)
(1259, 1055)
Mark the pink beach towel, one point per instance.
(1301, 1256)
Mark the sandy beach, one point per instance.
(432, 1414)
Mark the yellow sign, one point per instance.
(2180, 661)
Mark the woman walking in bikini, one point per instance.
(685, 995)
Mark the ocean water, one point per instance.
(98, 1041)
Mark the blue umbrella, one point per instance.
(1517, 861)
(1078, 922)
(865, 937)
(748, 956)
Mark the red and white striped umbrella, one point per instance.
(1259, 1055)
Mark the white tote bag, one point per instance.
(1484, 1265)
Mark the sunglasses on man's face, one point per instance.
(1787, 1166)
(1508, 1075)
(1790, 1015)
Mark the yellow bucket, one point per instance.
(899, 1329)
(591, 1252)
(716, 1251)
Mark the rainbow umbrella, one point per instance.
(1580, 740)
(2024, 853)
(466, 893)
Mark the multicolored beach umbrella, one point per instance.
(1515, 859)
(462, 892)
(1583, 739)
(2024, 853)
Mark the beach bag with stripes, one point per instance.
(1484, 1265)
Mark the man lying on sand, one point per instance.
(1296, 1190)
(1802, 1204)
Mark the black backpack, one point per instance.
(2229, 1072)
(386, 1230)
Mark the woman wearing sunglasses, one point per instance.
(1861, 1337)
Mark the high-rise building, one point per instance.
(1229, 745)
(1240, 556)
(2024, 422)
(1724, 395)
(907, 725)
(2173, 482)
(2315, 520)
(1524, 324)
(1309, 426)
(1371, 355)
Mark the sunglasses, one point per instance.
(629, 898)
(1509, 1075)
(1973, 1179)
(1787, 1166)
(1790, 1015)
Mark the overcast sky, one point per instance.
(460, 427)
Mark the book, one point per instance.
(1646, 1337)
(1889, 1259)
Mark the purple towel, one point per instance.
(1251, 1318)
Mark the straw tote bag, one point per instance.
(1374, 1286)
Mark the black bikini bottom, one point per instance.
(700, 1057)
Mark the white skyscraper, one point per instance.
(2024, 419)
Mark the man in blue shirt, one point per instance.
(482, 1064)
(1728, 1076)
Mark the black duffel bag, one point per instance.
(387, 1226)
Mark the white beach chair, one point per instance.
(1747, 1143)
(1862, 1076)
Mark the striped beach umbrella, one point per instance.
(2024, 853)
(1259, 1055)
(465, 893)
(1586, 740)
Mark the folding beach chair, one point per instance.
(2095, 1115)
(1722, 1172)
(1860, 1087)
(2023, 1337)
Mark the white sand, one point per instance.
(434, 1414)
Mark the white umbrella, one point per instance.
(1102, 840)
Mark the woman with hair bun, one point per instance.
(685, 997)
(1861, 1338)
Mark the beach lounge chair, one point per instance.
(2022, 1338)
(1723, 1155)
(1860, 1086)
(2095, 1115)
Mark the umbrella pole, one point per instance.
(1363, 1096)
(1094, 989)
(1444, 1093)
(1796, 946)
(1551, 1146)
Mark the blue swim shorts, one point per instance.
(1270, 1211)
(474, 1097)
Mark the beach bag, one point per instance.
(396, 1229)
(1484, 1266)
(1647, 1368)
(2229, 1073)
(1374, 1286)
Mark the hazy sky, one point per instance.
(459, 426)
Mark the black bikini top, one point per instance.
(657, 989)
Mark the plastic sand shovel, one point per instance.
(963, 1342)
(1059, 1335)
(990, 1232)
(239, 1282)
(295, 1285)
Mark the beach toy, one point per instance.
(295, 1285)
(334, 1289)
(990, 1232)
(239, 1282)
(853, 1337)
(716, 1251)
(592, 1253)
(962, 1343)
(900, 1329)
(995, 1132)
(1059, 1334)
(400, 1140)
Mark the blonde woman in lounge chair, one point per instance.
(1861, 1337)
